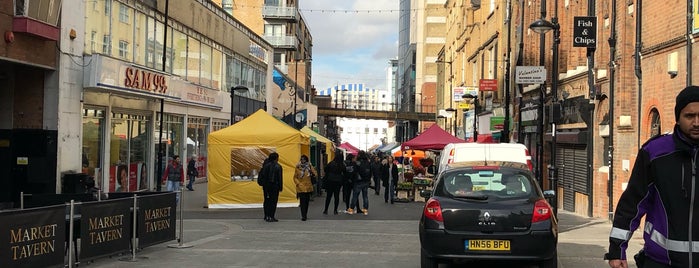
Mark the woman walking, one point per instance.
(334, 176)
(304, 186)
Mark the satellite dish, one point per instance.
(299, 117)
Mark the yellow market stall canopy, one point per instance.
(236, 154)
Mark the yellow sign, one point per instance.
(465, 106)
(487, 245)
(23, 161)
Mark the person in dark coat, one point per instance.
(272, 186)
(334, 177)
(351, 172)
(376, 174)
(389, 178)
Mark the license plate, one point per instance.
(496, 245)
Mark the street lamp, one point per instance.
(240, 89)
(453, 125)
(542, 26)
(475, 114)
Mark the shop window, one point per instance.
(193, 60)
(171, 138)
(197, 132)
(217, 67)
(92, 144)
(130, 139)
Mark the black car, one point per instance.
(488, 211)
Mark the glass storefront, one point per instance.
(129, 142)
(93, 129)
(171, 140)
(197, 133)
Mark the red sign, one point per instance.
(488, 85)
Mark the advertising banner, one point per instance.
(33, 237)
(156, 219)
(105, 228)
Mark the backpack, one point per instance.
(262, 177)
(364, 170)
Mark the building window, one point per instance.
(107, 45)
(654, 123)
(107, 6)
(605, 156)
(123, 49)
(123, 13)
(92, 41)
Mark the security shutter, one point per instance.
(572, 172)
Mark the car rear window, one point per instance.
(501, 182)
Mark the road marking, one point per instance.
(312, 252)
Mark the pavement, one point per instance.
(387, 237)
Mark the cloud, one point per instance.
(352, 40)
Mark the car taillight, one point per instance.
(529, 160)
(542, 211)
(433, 210)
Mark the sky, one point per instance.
(353, 40)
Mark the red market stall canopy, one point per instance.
(349, 148)
(434, 138)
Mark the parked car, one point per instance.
(472, 151)
(487, 210)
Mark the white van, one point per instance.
(471, 151)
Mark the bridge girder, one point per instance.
(378, 115)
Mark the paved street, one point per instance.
(387, 237)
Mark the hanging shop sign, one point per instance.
(488, 85)
(585, 32)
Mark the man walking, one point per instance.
(361, 184)
(376, 174)
(663, 187)
(174, 176)
(271, 179)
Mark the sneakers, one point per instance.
(365, 211)
(350, 211)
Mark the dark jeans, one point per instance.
(389, 191)
(304, 198)
(377, 184)
(346, 194)
(333, 190)
(362, 188)
(191, 181)
(271, 200)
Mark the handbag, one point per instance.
(314, 180)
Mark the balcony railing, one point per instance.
(281, 41)
(276, 12)
(37, 17)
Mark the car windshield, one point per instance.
(481, 183)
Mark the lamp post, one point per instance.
(234, 89)
(453, 125)
(475, 114)
(542, 26)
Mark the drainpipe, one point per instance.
(637, 66)
(690, 14)
(612, 119)
(591, 106)
(506, 129)
(520, 62)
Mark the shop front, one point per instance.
(121, 121)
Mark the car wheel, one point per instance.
(550, 263)
(426, 261)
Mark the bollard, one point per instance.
(180, 239)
